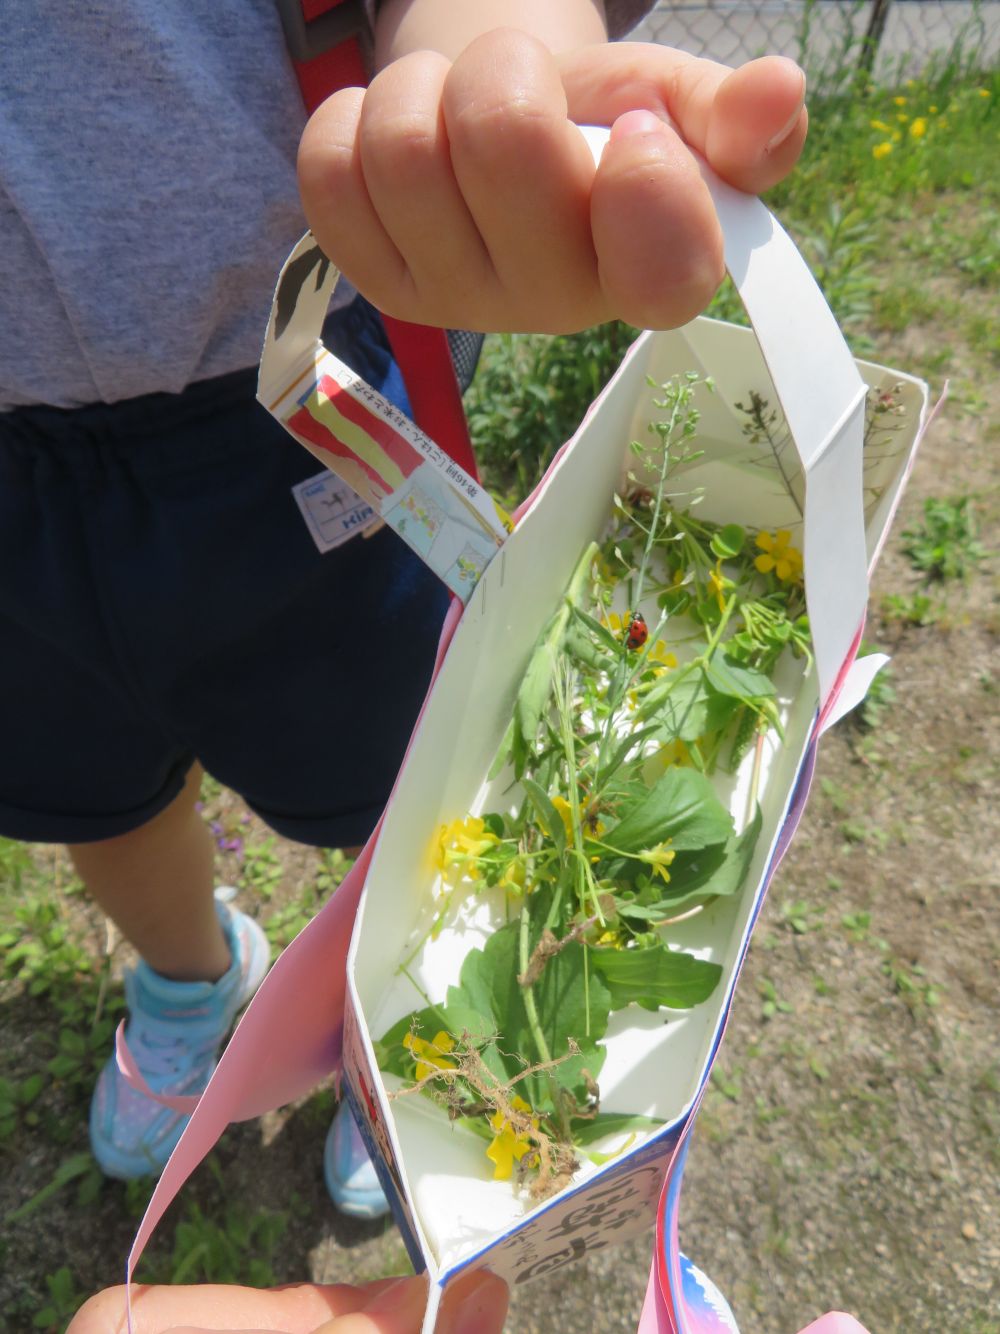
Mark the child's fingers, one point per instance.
(295, 1309)
(757, 124)
(525, 174)
(749, 123)
(658, 239)
(411, 183)
(335, 196)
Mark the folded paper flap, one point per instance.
(301, 300)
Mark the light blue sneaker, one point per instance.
(174, 1032)
(349, 1173)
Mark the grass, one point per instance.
(861, 215)
(868, 219)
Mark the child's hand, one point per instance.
(388, 1306)
(462, 195)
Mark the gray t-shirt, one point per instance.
(147, 191)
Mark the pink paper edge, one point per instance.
(317, 956)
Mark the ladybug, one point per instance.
(638, 631)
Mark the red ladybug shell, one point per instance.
(638, 631)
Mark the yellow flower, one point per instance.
(514, 879)
(565, 814)
(508, 1145)
(918, 128)
(612, 939)
(779, 556)
(902, 117)
(661, 660)
(899, 101)
(983, 92)
(430, 1056)
(676, 752)
(880, 125)
(459, 844)
(592, 825)
(717, 584)
(659, 858)
(933, 110)
(661, 657)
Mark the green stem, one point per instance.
(531, 1009)
(563, 695)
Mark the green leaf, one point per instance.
(728, 541)
(66, 1172)
(586, 1131)
(504, 752)
(683, 711)
(682, 807)
(29, 1089)
(656, 977)
(602, 632)
(621, 753)
(713, 872)
(729, 678)
(582, 648)
(548, 817)
(568, 1005)
(533, 697)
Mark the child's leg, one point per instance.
(156, 884)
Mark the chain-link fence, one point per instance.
(833, 38)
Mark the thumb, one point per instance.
(835, 1322)
(474, 1304)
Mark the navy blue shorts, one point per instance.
(162, 601)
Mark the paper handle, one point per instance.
(822, 396)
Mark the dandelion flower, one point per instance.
(918, 128)
(899, 101)
(881, 150)
(880, 125)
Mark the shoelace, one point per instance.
(161, 1051)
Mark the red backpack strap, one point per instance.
(326, 40)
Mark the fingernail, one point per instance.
(788, 128)
(633, 123)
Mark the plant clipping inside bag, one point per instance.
(611, 759)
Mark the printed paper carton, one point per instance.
(837, 497)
